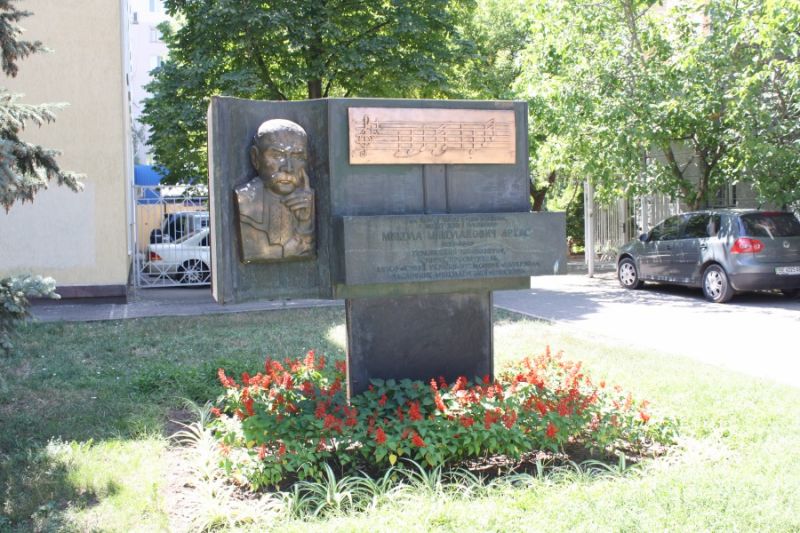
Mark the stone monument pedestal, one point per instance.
(419, 337)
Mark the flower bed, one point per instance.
(290, 420)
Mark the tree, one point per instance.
(291, 49)
(25, 168)
(620, 85)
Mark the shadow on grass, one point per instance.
(38, 490)
(104, 381)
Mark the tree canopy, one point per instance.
(292, 49)
(617, 86)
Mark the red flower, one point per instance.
(551, 430)
(225, 380)
(437, 398)
(417, 440)
(333, 423)
(489, 418)
(563, 408)
(309, 360)
(262, 452)
(216, 412)
(644, 416)
(510, 418)
(322, 444)
(282, 450)
(383, 400)
(245, 378)
(541, 407)
(341, 366)
(486, 379)
(248, 405)
(466, 421)
(434, 388)
(413, 411)
(380, 436)
(400, 415)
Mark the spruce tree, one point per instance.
(25, 168)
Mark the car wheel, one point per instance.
(791, 293)
(194, 271)
(716, 286)
(628, 275)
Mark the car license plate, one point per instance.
(788, 271)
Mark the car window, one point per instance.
(701, 225)
(667, 230)
(771, 225)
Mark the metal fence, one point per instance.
(171, 238)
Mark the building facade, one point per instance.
(80, 239)
(148, 52)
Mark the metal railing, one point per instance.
(170, 238)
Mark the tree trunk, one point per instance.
(314, 89)
(539, 193)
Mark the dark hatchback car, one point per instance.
(722, 251)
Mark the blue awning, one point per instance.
(147, 175)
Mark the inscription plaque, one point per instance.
(384, 135)
(413, 248)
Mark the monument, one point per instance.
(412, 211)
(276, 207)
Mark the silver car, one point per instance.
(723, 251)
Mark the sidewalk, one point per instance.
(193, 301)
(177, 301)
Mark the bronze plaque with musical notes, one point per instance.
(403, 135)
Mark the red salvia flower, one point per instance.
(466, 421)
(380, 436)
(322, 444)
(417, 440)
(551, 430)
(216, 412)
(400, 416)
(437, 398)
(413, 411)
(225, 380)
(281, 450)
(248, 405)
(309, 360)
(510, 418)
(321, 410)
(262, 452)
(434, 387)
(341, 366)
(382, 400)
(333, 423)
(644, 416)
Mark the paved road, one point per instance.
(757, 333)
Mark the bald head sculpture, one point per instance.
(276, 207)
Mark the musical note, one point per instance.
(376, 139)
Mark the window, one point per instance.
(771, 225)
(155, 62)
(135, 19)
(155, 35)
(701, 226)
(666, 231)
(152, 6)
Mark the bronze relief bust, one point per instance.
(275, 208)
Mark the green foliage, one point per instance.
(14, 303)
(612, 82)
(287, 50)
(293, 421)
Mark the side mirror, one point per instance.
(643, 237)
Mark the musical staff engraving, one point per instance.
(380, 135)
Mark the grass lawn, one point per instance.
(83, 409)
